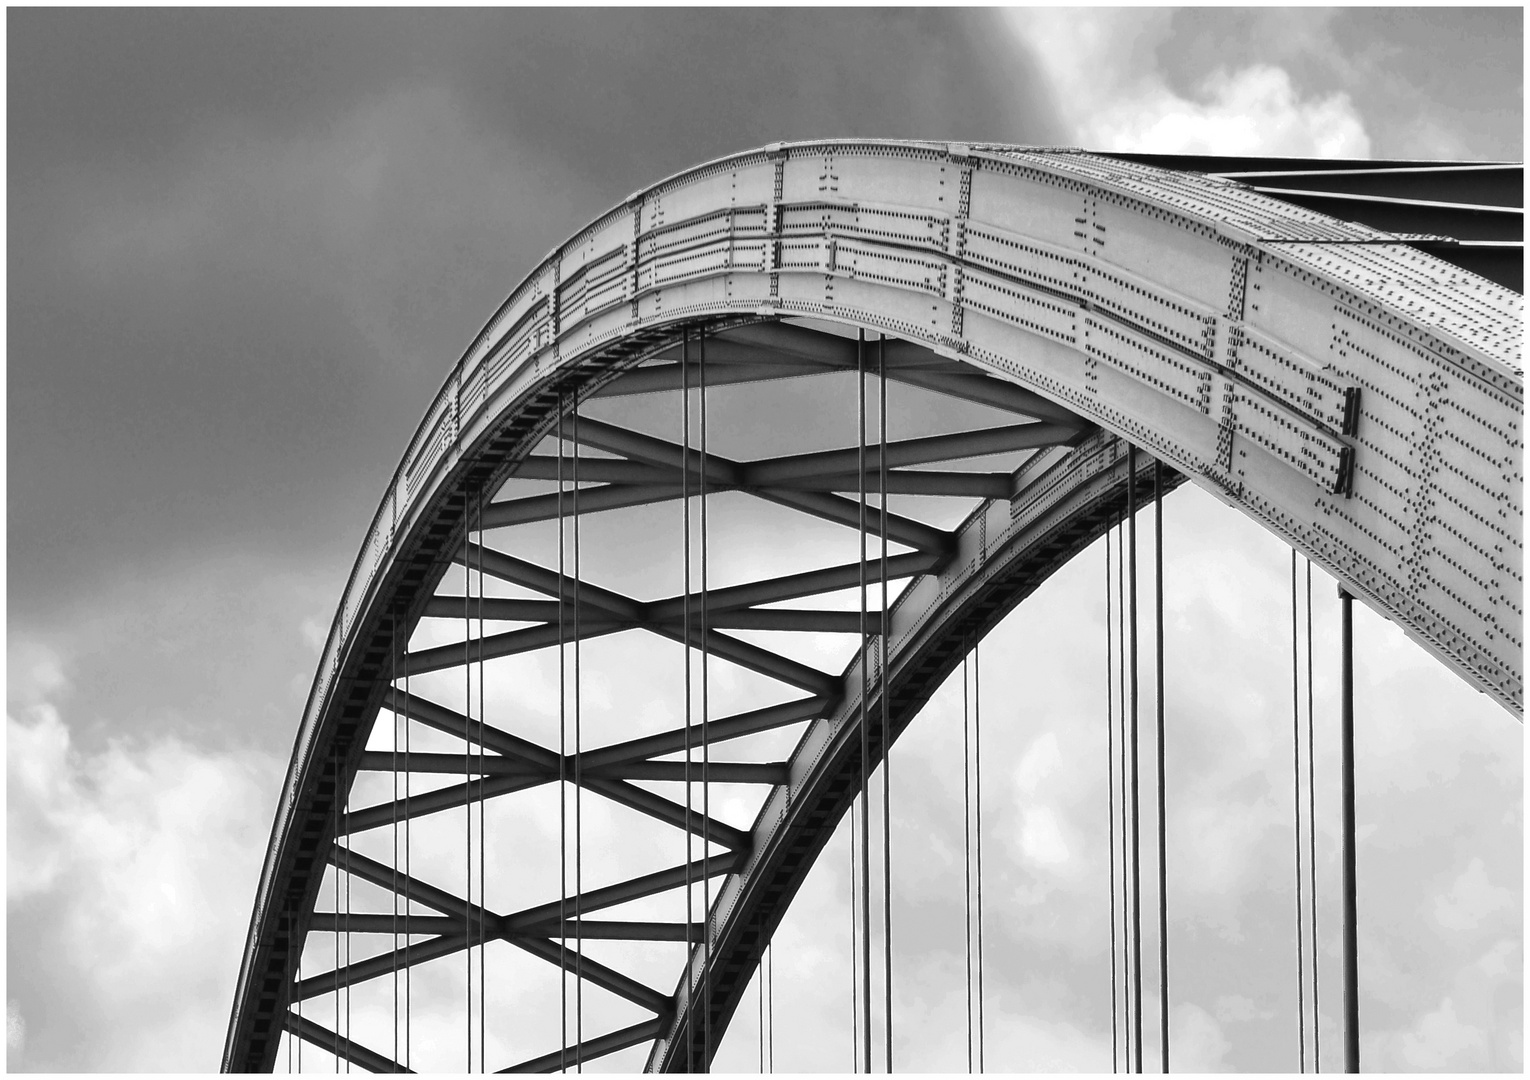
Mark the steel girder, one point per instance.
(1360, 399)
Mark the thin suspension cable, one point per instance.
(855, 974)
(860, 382)
(482, 834)
(334, 756)
(706, 715)
(467, 770)
(408, 864)
(1163, 865)
(1317, 1016)
(887, 963)
(347, 928)
(685, 517)
(977, 799)
(1110, 802)
(1296, 803)
(1124, 808)
(967, 840)
(1131, 589)
(562, 770)
(290, 1039)
(393, 746)
(578, 781)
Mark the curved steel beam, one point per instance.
(1362, 400)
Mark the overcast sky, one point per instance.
(246, 247)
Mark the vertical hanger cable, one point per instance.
(1296, 805)
(706, 752)
(1317, 1022)
(1110, 803)
(562, 766)
(1163, 864)
(887, 956)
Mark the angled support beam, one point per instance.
(375, 967)
(794, 586)
(433, 802)
(813, 622)
(612, 930)
(593, 470)
(651, 451)
(531, 576)
(591, 1049)
(727, 727)
(671, 813)
(659, 377)
(500, 515)
(454, 723)
(325, 1039)
(907, 482)
(926, 451)
(754, 658)
(389, 878)
(841, 511)
(334, 922)
(544, 917)
(509, 643)
(456, 764)
(718, 772)
(594, 972)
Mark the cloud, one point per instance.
(1471, 897)
(1106, 80)
(129, 877)
(1199, 1045)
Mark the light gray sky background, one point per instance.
(246, 247)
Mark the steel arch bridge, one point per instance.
(1353, 387)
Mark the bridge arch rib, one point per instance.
(1359, 398)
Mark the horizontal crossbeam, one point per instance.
(495, 608)
(473, 765)
(335, 922)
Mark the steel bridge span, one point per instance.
(1353, 387)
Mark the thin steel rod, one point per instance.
(1131, 599)
(706, 716)
(1163, 865)
(393, 750)
(482, 832)
(562, 776)
(685, 547)
(860, 382)
(408, 862)
(1110, 803)
(467, 768)
(578, 777)
(1296, 803)
(887, 957)
(855, 975)
(1347, 766)
(1121, 713)
(1317, 1016)
(977, 799)
(967, 839)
